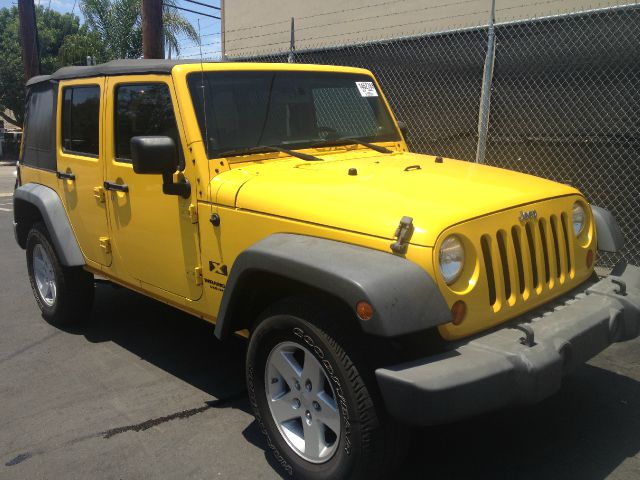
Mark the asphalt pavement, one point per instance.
(145, 391)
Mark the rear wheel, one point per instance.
(64, 294)
(315, 398)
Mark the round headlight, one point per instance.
(578, 218)
(451, 259)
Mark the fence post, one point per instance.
(292, 46)
(485, 97)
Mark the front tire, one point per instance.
(63, 294)
(315, 398)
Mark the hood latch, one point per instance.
(403, 235)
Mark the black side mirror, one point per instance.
(403, 129)
(154, 155)
(159, 155)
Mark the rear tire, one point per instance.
(360, 441)
(63, 294)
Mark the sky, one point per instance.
(209, 27)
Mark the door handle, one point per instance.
(66, 176)
(117, 187)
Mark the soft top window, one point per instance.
(40, 126)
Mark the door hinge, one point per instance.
(193, 213)
(198, 275)
(105, 244)
(98, 193)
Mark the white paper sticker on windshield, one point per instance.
(367, 89)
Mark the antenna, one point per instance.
(204, 103)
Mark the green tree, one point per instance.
(119, 25)
(55, 33)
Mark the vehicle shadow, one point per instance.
(178, 343)
(585, 431)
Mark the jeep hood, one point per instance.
(382, 189)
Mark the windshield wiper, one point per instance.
(348, 140)
(269, 148)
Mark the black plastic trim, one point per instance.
(404, 297)
(55, 218)
(609, 234)
(496, 369)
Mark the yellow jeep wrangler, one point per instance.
(378, 288)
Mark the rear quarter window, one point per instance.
(38, 148)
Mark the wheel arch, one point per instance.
(404, 297)
(34, 202)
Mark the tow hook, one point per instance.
(528, 338)
(622, 291)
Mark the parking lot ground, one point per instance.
(145, 391)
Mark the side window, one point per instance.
(81, 119)
(38, 149)
(143, 109)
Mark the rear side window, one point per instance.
(81, 120)
(38, 149)
(141, 110)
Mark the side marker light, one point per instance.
(364, 310)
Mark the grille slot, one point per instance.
(515, 235)
(502, 248)
(567, 249)
(545, 250)
(532, 252)
(556, 246)
(488, 267)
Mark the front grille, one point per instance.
(526, 260)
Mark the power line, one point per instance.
(203, 4)
(190, 11)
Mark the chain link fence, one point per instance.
(565, 101)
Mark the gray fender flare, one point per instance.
(609, 235)
(404, 297)
(55, 218)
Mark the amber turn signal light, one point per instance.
(458, 312)
(589, 258)
(364, 310)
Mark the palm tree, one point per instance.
(119, 24)
(175, 25)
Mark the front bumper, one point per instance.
(498, 369)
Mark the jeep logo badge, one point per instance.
(530, 215)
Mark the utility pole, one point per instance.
(152, 36)
(29, 38)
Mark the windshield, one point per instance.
(247, 109)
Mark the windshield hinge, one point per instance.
(193, 213)
(197, 274)
(403, 235)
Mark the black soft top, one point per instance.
(114, 67)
